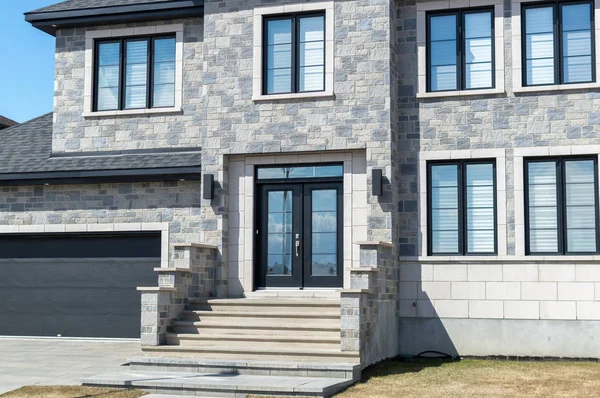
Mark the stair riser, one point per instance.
(208, 331)
(222, 345)
(246, 356)
(265, 322)
(264, 308)
(258, 371)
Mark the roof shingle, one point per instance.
(70, 5)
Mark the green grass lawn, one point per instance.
(71, 392)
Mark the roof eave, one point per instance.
(50, 22)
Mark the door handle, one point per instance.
(297, 245)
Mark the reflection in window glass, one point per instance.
(442, 50)
(284, 172)
(109, 59)
(324, 232)
(279, 233)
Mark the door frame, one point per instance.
(259, 278)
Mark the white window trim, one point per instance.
(257, 82)
(92, 35)
(519, 194)
(423, 8)
(500, 156)
(162, 227)
(517, 60)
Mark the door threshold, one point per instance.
(296, 293)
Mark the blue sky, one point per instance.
(27, 63)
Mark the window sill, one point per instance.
(555, 87)
(461, 93)
(500, 259)
(294, 96)
(134, 112)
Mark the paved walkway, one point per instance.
(59, 362)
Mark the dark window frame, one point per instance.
(460, 48)
(295, 61)
(462, 206)
(558, 40)
(123, 67)
(560, 204)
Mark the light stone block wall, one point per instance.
(241, 224)
(74, 132)
(505, 288)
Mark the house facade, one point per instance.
(429, 169)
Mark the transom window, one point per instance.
(561, 206)
(462, 207)
(460, 50)
(294, 53)
(301, 171)
(134, 73)
(558, 43)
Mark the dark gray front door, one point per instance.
(75, 285)
(300, 235)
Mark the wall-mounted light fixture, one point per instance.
(377, 184)
(208, 186)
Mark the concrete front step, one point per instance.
(277, 305)
(266, 341)
(263, 314)
(205, 330)
(249, 352)
(333, 338)
(341, 370)
(299, 325)
(220, 385)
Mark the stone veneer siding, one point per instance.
(176, 203)
(74, 133)
(456, 296)
(358, 117)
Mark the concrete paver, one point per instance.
(59, 362)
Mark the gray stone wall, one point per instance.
(492, 121)
(358, 117)
(74, 133)
(174, 202)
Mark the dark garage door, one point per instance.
(75, 285)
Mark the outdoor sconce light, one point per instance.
(208, 186)
(377, 178)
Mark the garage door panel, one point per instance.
(76, 297)
(67, 273)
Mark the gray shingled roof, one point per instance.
(70, 5)
(27, 148)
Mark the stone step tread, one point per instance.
(255, 338)
(257, 350)
(220, 382)
(220, 323)
(237, 363)
(279, 302)
(260, 314)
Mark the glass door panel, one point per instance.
(279, 232)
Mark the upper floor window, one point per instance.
(561, 205)
(462, 207)
(294, 53)
(558, 43)
(134, 73)
(460, 50)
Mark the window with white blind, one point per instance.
(561, 196)
(462, 207)
(558, 43)
(460, 50)
(294, 53)
(134, 73)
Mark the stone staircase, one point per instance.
(254, 346)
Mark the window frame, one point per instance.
(558, 40)
(460, 48)
(150, 39)
(462, 205)
(295, 61)
(560, 204)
